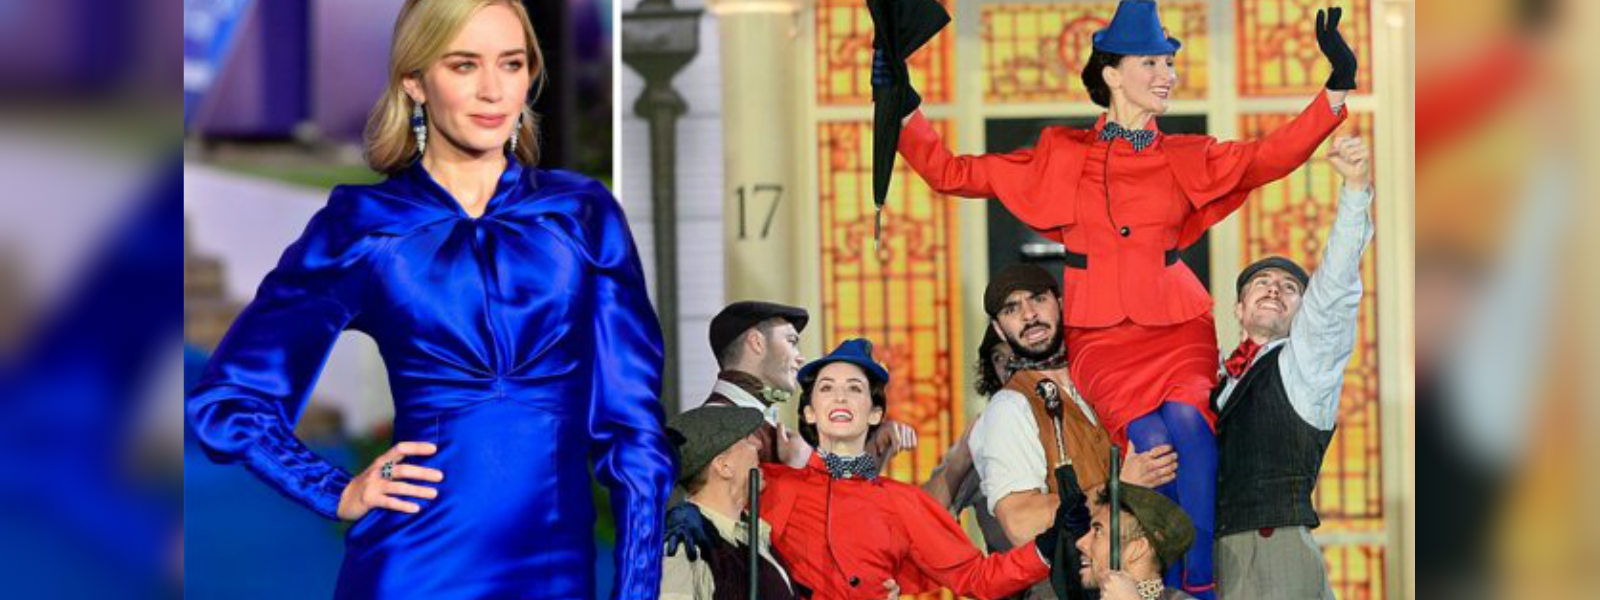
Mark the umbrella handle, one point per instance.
(1116, 510)
(754, 532)
(877, 228)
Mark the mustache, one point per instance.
(1052, 347)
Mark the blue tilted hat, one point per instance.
(1136, 29)
(855, 351)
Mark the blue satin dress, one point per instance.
(521, 342)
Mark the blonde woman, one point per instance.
(510, 308)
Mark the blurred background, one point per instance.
(90, 308)
(1507, 291)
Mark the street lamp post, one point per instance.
(658, 40)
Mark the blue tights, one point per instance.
(1194, 489)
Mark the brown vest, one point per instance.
(1087, 445)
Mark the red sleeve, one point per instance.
(941, 554)
(777, 495)
(1218, 176)
(972, 176)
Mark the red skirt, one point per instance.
(1127, 370)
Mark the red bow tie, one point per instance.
(1241, 358)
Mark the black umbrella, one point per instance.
(900, 27)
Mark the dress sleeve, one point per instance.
(1013, 177)
(251, 393)
(1217, 176)
(628, 443)
(942, 554)
(778, 496)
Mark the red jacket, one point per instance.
(1167, 196)
(834, 531)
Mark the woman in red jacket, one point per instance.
(1124, 199)
(851, 534)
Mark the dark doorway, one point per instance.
(1010, 241)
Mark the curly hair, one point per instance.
(988, 380)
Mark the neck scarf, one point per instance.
(846, 467)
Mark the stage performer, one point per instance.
(1125, 199)
(1278, 402)
(510, 307)
(849, 533)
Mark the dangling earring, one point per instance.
(515, 129)
(419, 127)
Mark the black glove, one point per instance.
(1338, 52)
(688, 528)
(1072, 515)
(1058, 544)
(1076, 503)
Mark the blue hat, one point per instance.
(856, 351)
(1136, 29)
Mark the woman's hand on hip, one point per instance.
(382, 484)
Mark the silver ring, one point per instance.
(387, 470)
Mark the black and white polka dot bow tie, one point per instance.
(845, 467)
(1140, 138)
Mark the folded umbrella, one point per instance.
(900, 27)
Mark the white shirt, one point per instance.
(743, 398)
(1005, 447)
(1323, 332)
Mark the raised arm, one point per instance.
(1287, 147)
(972, 176)
(1323, 333)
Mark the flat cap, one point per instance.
(700, 434)
(739, 317)
(1272, 262)
(1165, 524)
(1022, 276)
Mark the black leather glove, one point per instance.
(1338, 52)
(688, 528)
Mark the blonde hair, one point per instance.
(421, 37)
